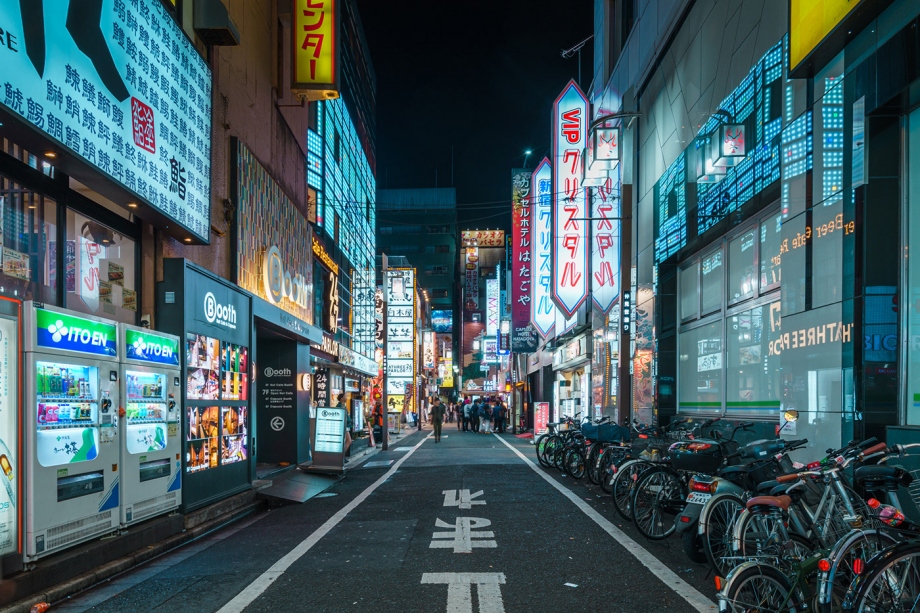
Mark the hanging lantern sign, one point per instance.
(729, 145)
(591, 177)
(704, 169)
(606, 145)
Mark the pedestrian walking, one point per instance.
(466, 416)
(437, 418)
(485, 418)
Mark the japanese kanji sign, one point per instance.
(401, 340)
(120, 88)
(316, 51)
(542, 309)
(483, 238)
(523, 339)
(605, 247)
(570, 206)
(471, 271)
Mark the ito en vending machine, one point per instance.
(151, 475)
(70, 417)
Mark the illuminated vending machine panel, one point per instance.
(71, 402)
(151, 453)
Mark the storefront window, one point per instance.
(700, 370)
(742, 277)
(29, 243)
(752, 369)
(912, 212)
(771, 240)
(690, 291)
(712, 282)
(99, 266)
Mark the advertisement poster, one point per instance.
(122, 87)
(233, 446)
(15, 264)
(65, 446)
(540, 418)
(9, 436)
(143, 438)
(203, 354)
(201, 444)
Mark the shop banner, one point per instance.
(542, 309)
(119, 85)
(540, 418)
(523, 339)
(570, 203)
(483, 238)
(605, 254)
(400, 334)
(152, 348)
(69, 333)
(321, 387)
(471, 270)
(9, 436)
(492, 306)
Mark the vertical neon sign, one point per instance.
(570, 206)
(542, 309)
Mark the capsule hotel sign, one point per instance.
(316, 49)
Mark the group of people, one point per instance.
(484, 415)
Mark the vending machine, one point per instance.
(70, 419)
(151, 475)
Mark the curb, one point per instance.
(61, 591)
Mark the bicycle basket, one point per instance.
(612, 433)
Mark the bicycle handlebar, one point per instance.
(790, 477)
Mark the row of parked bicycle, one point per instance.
(779, 536)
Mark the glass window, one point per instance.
(742, 275)
(700, 369)
(771, 240)
(752, 365)
(690, 291)
(99, 267)
(319, 295)
(911, 316)
(28, 240)
(712, 282)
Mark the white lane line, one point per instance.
(696, 599)
(263, 581)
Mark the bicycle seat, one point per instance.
(780, 502)
(882, 476)
(766, 486)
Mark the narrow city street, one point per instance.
(398, 538)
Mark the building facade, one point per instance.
(189, 190)
(770, 169)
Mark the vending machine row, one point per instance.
(101, 426)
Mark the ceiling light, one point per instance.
(188, 240)
(132, 205)
(50, 154)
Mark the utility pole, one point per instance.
(385, 426)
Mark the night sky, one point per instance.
(478, 75)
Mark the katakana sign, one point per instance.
(523, 339)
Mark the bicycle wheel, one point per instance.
(623, 484)
(575, 463)
(762, 588)
(553, 444)
(848, 561)
(763, 535)
(594, 453)
(540, 448)
(892, 585)
(717, 521)
(606, 465)
(657, 499)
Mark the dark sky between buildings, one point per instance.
(479, 76)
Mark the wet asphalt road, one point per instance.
(546, 552)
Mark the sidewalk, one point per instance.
(57, 577)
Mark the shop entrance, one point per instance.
(282, 401)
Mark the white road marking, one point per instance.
(263, 581)
(465, 536)
(464, 500)
(683, 589)
(460, 593)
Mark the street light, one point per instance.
(527, 155)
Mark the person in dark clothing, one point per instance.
(437, 418)
(497, 417)
(474, 416)
(503, 416)
(466, 416)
